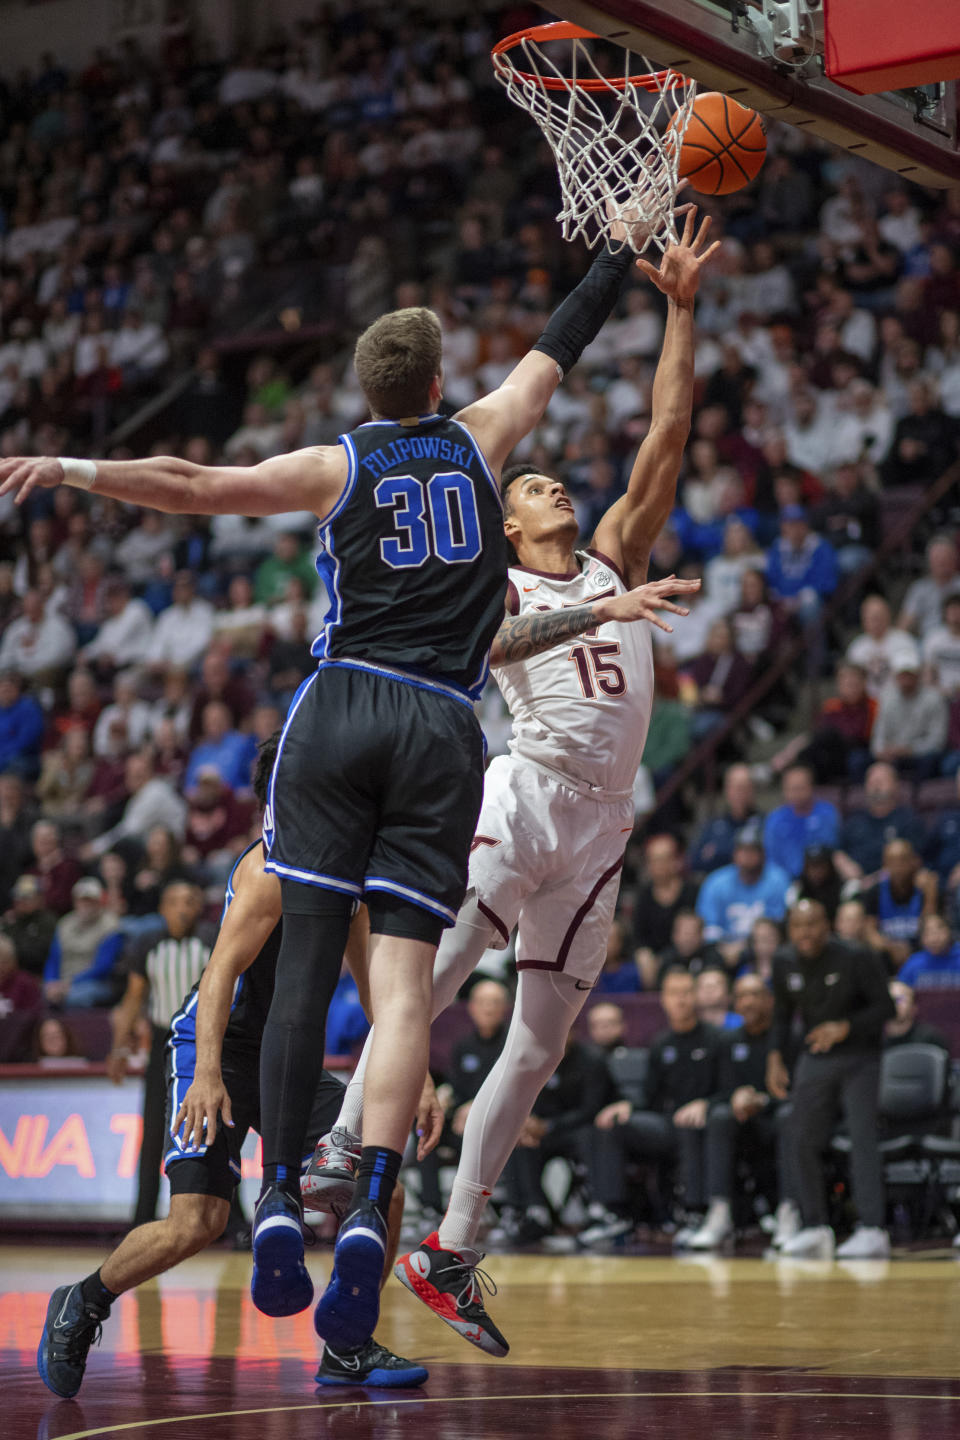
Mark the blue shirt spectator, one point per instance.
(942, 849)
(734, 897)
(801, 567)
(227, 751)
(21, 727)
(937, 965)
(624, 979)
(801, 821)
(713, 845)
(866, 832)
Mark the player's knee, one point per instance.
(539, 1055)
(198, 1221)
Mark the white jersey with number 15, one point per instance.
(583, 707)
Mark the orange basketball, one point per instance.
(724, 145)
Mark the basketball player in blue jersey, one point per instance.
(379, 776)
(212, 1072)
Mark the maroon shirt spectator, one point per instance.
(55, 870)
(759, 622)
(721, 674)
(218, 683)
(216, 819)
(81, 710)
(20, 993)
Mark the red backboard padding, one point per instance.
(875, 45)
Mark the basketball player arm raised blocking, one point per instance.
(627, 531)
(247, 925)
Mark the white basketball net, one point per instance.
(607, 141)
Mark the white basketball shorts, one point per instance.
(547, 857)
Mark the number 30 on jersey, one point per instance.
(434, 518)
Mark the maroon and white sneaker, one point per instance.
(328, 1182)
(450, 1285)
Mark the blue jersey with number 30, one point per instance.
(413, 555)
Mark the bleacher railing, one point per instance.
(702, 760)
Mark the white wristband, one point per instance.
(80, 473)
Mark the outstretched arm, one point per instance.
(521, 636)
(311, 479)
(501, 419)
(631, 525)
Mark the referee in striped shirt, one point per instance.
(162, 968)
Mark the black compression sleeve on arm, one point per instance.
(578, 319)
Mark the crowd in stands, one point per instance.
(155, 208)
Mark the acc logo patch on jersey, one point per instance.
(603, 577)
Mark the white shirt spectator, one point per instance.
(769, 291)
(876, 656)
(722, 576)
(181, 634)
(155, 803)
(61, 334)
(858, 334)
(86, 356)
(279, 616)
(124, 638)
(639, 333)
(903, 230)
(135, 719)
(941, 651)
(34, 358)
(138, 553)
(140, 343)
(33, 646)
(949, 385)
(871, 429)
(827, 441)
(923, 604)
(246, 82)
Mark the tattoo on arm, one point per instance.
(521, 636)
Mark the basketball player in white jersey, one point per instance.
(577, 675)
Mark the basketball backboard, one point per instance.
(729, 45)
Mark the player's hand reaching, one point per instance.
(24, 473)
(430, 1117)
(206, 1098)
(645, 601)
(679, 275)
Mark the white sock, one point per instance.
(351, 1111)
(458, 1229)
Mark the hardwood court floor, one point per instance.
(721, 1349)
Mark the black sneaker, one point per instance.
(448, 1284)
(280, 1284)
(69, 1330)
(372, 1364)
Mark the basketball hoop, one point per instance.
(613, 162)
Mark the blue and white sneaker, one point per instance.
(69, 1330)
(280, 1284)
(349, 1308)
(372, 1365)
